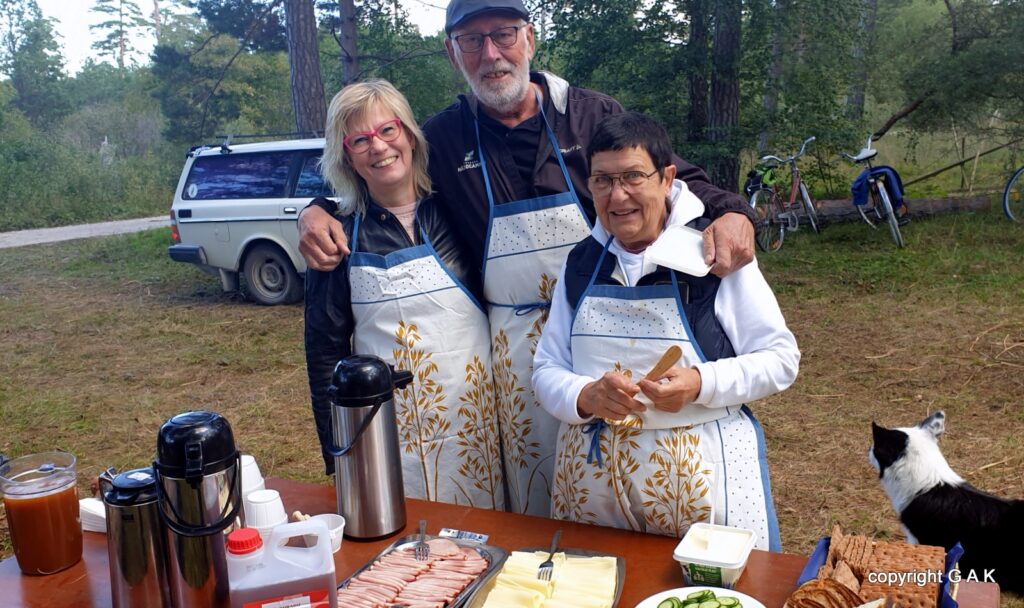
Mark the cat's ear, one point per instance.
(934, 424)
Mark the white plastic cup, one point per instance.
(264, 511)
(252, 478)
(335, 525)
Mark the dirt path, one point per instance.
(21, 238)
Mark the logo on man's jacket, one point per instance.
(468, 161)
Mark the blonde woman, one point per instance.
(406, 294)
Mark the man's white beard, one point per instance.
(504, 98)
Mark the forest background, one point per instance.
(941, 80)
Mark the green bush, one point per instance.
(49, 184)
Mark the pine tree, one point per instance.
(123, 19)
(30, 56)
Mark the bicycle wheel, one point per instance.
(812, 214)
(770, 229)
(1013, 197)
(889, 215)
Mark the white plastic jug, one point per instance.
(279, 575)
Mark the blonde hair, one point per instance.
(348, 105)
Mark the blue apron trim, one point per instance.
(594, 429)
(396, 257)
(686, 323)
(522, 251)
(590, 283)
(396, 298)
(399, 256)
(548, 201)
(649, 292)
(352, 245)
(479, 305)
(552, 200)
(725, 471)
(660, 338)
(774, 537)
(558, 151)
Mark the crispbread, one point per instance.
(843, 580)
(845, 576)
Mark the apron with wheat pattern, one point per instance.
(527, 243)
(412, 312)
(656, 472)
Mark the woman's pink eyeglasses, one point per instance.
(358, 143)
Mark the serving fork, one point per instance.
(547, 566)
(421, 549)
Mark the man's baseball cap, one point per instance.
(463, 10)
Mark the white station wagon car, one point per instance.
(234, 214)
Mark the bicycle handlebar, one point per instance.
(789, 160)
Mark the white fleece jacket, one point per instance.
(767, 357)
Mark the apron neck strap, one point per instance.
(597, 266)
(554, 145)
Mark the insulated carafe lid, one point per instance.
(135, 487)
(365, 380)
(195, 444)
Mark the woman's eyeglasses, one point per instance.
(630, 180)
(357, 143)
(503, 38)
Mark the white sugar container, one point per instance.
(714, 555)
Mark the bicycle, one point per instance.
(878, 192)
(1013, 196)
(774, 216)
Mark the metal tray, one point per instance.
(495, 557)
(483, 590)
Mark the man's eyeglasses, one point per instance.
(630, 180)
(358, 143)
(503, 38)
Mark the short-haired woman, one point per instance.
(657, 455)
(407, 294)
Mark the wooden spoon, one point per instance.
(670, 358)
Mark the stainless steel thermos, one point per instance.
(136, 543)
(367, 461)
(198, 474)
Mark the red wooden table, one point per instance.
(769, 577)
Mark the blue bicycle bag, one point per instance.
(888, 176)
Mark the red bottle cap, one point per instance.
(244, 540)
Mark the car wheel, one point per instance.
(269, 276)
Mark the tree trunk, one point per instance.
(156, 18)
(349, 42)
(773, 85)
(120, 37)
(304, 62)
(861, 55)
(723, 116)
(697, 55)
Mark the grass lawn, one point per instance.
(105, 339)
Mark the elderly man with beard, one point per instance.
(510, 174)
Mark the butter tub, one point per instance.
(714, 555)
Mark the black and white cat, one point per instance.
(937, 507)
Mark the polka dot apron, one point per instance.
(527, 243)
(413, 313)
(657, 471)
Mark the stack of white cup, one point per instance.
(252, 478)
(264, 511)
(263, 508)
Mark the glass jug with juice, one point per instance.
(41, 499)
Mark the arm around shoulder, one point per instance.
(767, 357)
